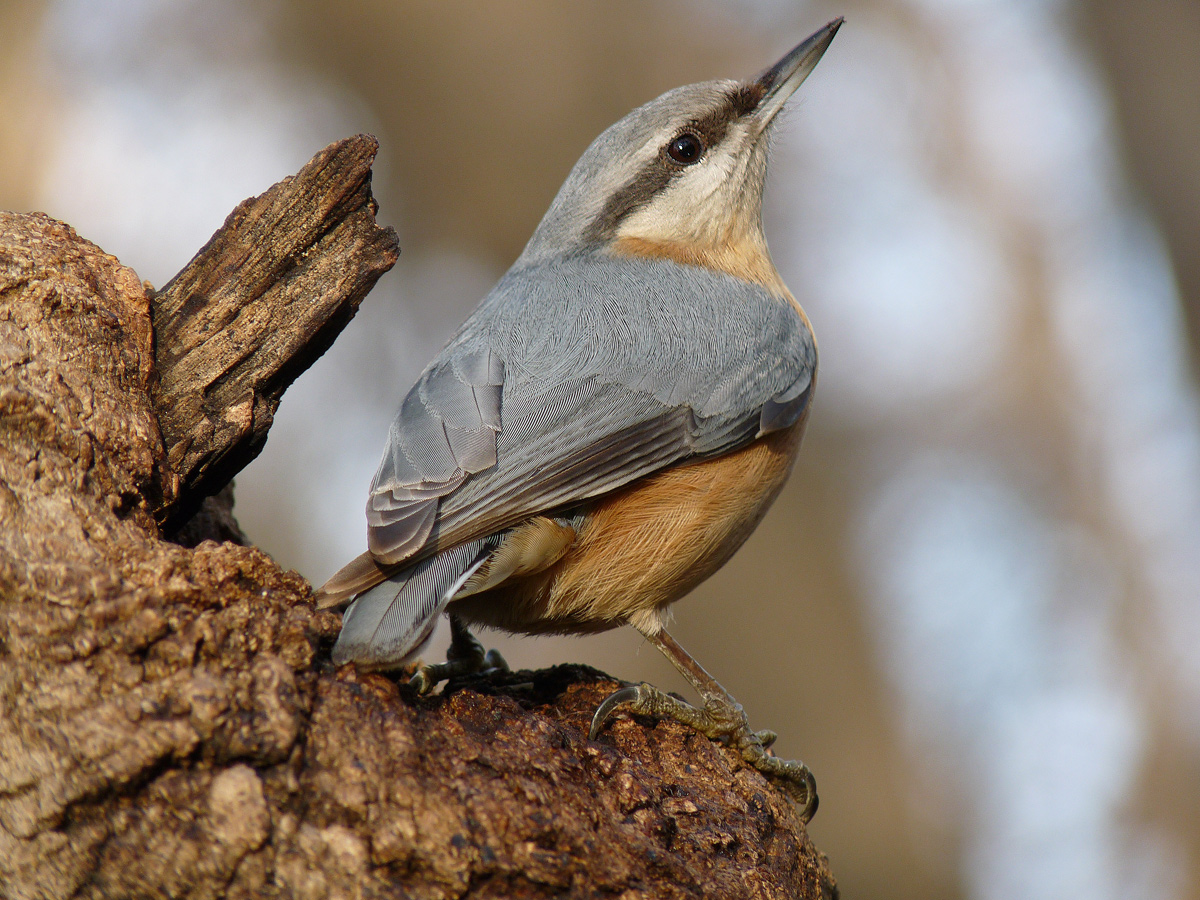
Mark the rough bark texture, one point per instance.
(256, 306)
(170, 724)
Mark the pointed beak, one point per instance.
(781, 80)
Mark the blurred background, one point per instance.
(975, 610)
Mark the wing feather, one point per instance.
(446, 431)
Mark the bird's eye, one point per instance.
(685, 149)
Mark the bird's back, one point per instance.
(593, 347)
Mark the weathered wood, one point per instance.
(170, 723)
(257, 306)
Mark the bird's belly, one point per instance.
(642, 548)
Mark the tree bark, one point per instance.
(170, 722)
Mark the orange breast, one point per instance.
(646, 546)
(745, 258)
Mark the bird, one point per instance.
(611, 423)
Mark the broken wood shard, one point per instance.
(260, 302)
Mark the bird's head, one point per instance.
(682, 176)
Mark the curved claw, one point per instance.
(811, 800)
(626, 696)
(493, 660)
(421, 682)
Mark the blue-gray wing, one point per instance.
(446, 431)
(575, 378)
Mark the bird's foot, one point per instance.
(426, 678)
(465, 656)
(721, 718)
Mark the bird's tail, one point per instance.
(388, 623)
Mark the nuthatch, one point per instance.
(612, 422)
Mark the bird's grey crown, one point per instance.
(619, 162)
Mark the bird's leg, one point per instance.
(464, 656)
(720, 718)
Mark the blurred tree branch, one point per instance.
(1148, 52)
(169, 722)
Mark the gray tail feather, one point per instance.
(387, 624)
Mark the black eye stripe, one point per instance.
(710, 129)
(740, 101)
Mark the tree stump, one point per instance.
(170, 722)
